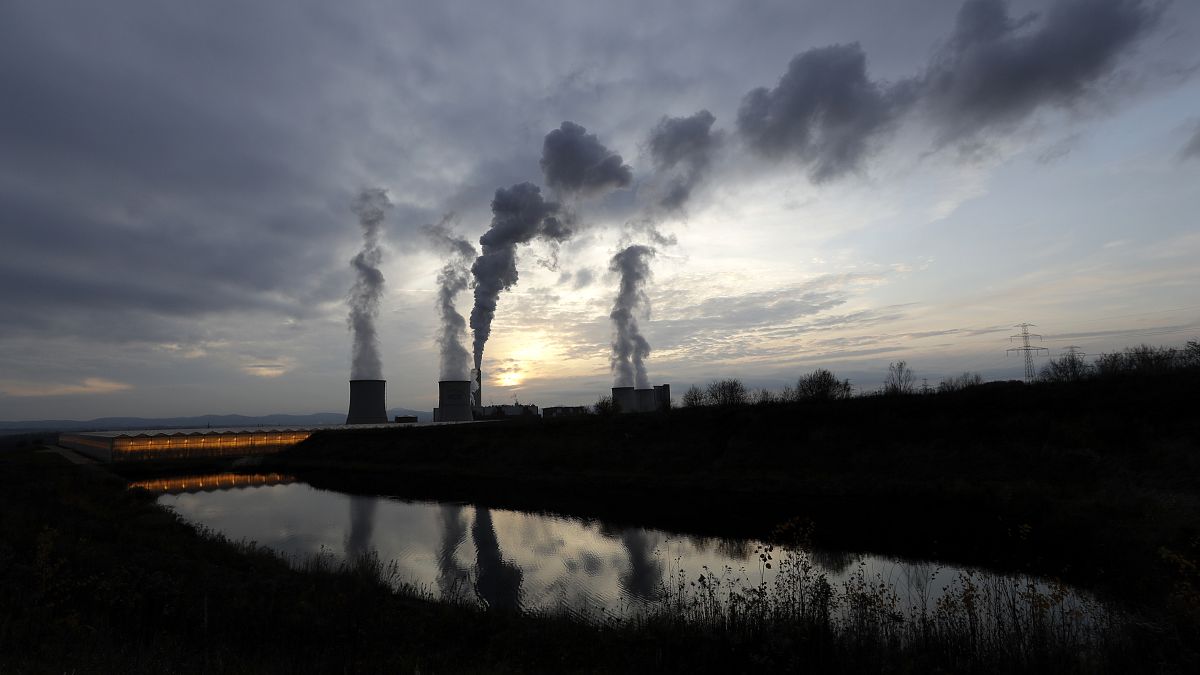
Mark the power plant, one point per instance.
(630, 400)
(454, 401)
(367, 402)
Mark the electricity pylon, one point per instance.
(1027, 349)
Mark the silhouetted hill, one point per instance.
(198, 421)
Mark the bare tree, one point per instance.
(960, 382)
(1141, 360)
(1191, 353)
(727, 392)
(821, 385)
(765, 397)
(694, 397)
(1069, 367)
(900, 379)
(605, 406)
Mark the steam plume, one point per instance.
(452, 279)
(575, 162)
(682, 149)
(824, 112)
(992, 73)
(370, 206)
(519, 214)
(630, 349)
(996, 70)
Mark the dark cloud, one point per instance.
(996, 70)
(1192, 149)
(1059, 149)
(575, 162)
(825, 112)
(519, 214)
(682, 149)
(145, 189)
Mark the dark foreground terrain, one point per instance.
(1095, 482)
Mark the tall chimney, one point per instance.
(367, 402)
(454, 401)
(477, 387)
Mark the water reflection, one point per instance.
(643, 577)
(498, 581)
(362, 522)
(513, 559)
(452, 578)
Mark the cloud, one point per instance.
(91, 385)
(268, 370)
(1192, 149)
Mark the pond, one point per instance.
(583, 567)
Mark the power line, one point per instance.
(1026, 349)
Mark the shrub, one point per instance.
(821, 385)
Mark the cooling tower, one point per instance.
(663, 393)
(624, 399)
(646, 400)
(366, 402)
(454, 401)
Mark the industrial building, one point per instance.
(565, 411)
(488, 412)
(124, 446)
(630, 400)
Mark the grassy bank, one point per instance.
(1095, 481)
(97, 578)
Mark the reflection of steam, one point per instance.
(834, 562)
(362, 523)
(498, 582)
(738, 549)
(644, 579)
(451, 575)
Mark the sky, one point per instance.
(864, 182)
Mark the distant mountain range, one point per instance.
(201, 421)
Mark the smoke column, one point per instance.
(452, 280)
(370, 207)
(519, 214)
(630, 349)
